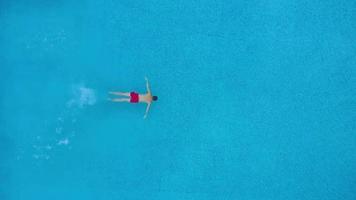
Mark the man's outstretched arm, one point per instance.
(147, 109)
(147, 85)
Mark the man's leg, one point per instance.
(120, 100)
(127, 94)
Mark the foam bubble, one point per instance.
(63, 142)
(83, 96)
(87, 96)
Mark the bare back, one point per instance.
(146, 98)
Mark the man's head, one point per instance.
(154, 98)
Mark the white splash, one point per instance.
(82, 96)
(87, 96)
(63, 142)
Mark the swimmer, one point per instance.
(134, 97)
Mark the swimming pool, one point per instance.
(256, 100)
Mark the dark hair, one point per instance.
(154, 98)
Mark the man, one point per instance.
(134, 97)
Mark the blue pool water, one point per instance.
(257, 100)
